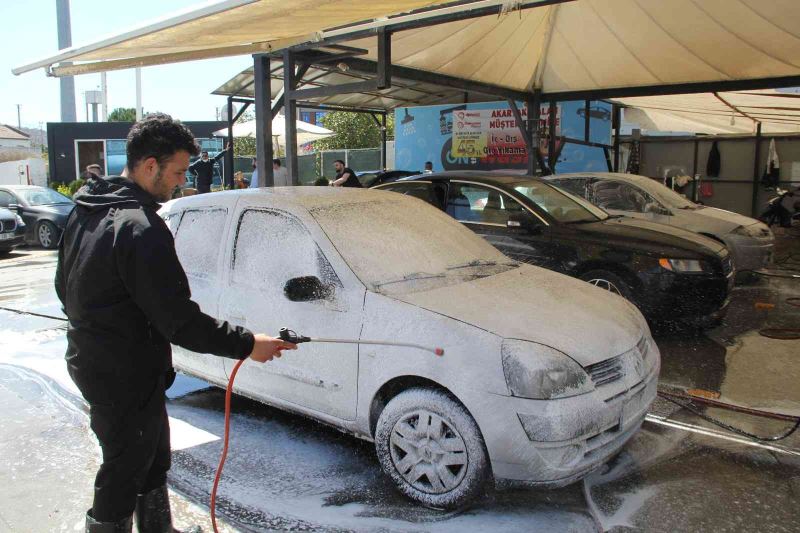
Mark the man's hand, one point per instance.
(266, 348)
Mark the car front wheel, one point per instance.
(47, 234)
(432, 449)
(609, 281)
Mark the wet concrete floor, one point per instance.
(679, 473)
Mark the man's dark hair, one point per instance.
(428, 163)
(340, 161)
(276, 162)
(158, 136)
(204, 152)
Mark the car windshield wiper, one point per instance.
(584, 221)
(411, 277)
(475, 263)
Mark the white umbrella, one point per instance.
(305, 132)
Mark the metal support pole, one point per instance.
(587, 121)
(228, 169)
(263, 90)
(551, 145)
(104, 89)
(384, 59)
(383, 141)
(694, 171)
(756, 168)
(615, 120)
(290, 114)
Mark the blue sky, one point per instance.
(29, 33)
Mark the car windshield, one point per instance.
(561, 205)
(43, 196)
(665, 195)
(401, 245)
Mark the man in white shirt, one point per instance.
(280, 173)
(254, 177)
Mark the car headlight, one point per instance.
(20, 222)
(683, 265)
(757, 230)
(539, 372)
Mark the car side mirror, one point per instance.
(307, 289)
(13, 207)
(522, 221)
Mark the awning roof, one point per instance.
(723, 112)
(402, 93)
(561, 47)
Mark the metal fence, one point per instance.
(320, 164)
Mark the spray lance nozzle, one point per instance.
(288, 335)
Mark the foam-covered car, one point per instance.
(749, 241)
(543, 377)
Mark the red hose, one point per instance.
(228, 392)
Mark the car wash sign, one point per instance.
(485, 136)
(494, 134)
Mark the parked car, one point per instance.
(669, 273)
(370, 178)
(12, 230)
(749, 241)
(43, 210)
(543, 377)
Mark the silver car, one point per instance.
(543, 377)
(749, 241)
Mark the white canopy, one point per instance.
(715, 113)
(306, 132)
(560, 46)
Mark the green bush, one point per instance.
(74, 186)
(63, 189)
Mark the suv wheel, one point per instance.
(432, 449)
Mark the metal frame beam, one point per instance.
(266, 177)
(676, 88)
(756, 172)
(615, 124)
(290, 116)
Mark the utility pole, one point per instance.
(138, 94)
(19, 122)
(104, 89)
(65, 41)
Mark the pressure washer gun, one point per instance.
(289, 335)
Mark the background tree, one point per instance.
(122, 114)
(353, 130)
(245, 146)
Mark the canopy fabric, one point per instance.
(716, 113)
(558, 47)
(306, 132)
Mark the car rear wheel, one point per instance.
(47, 234)
(609, 281)
(432, 449)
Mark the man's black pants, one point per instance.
(134, 437)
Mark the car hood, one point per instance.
(530, 303)
(652, 236)
(60, 209)
(716, 220)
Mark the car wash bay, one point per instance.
(678, 473)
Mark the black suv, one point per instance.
(670, 274)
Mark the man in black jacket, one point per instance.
(203, 169)
(127, 298)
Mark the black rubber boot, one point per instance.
(93, 526)
(153, 514)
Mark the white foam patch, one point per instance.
(184, 435)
